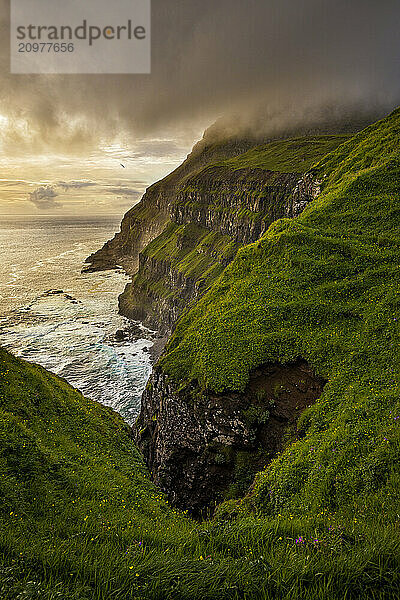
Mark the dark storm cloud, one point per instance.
(271, 63)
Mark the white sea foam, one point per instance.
(65, 321)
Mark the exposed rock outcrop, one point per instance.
(203, 447)
(239, 203)
(307, 189)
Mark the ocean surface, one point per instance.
(52, 314)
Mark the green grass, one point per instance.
(191, 249)
(324, 287)
(80, 519)
(320, 270)
(295, 155)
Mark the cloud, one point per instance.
(123, 191)
(44, 197)
(47, 197)
(155, 148)
(275, 63)
(75, 185)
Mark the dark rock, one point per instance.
(120, 335)
(135, 331)
(198, 446)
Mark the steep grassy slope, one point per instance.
(214, 211)
(79, 519)
(324, 287)
(75, 499)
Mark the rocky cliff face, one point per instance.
(146, 220)
(216, 212)
(201, 448)
(307, 189)
(239, 203)
(187, 228)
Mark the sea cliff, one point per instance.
(178, 240)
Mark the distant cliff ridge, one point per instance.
(189, 226)
(146, 220)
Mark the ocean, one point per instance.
(52, 314)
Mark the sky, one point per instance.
(263, 66)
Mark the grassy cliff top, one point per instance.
(295, 155)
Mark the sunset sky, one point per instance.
(95, 182)
(260, 65)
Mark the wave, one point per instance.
(66, 321)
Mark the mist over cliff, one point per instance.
(285, 64)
